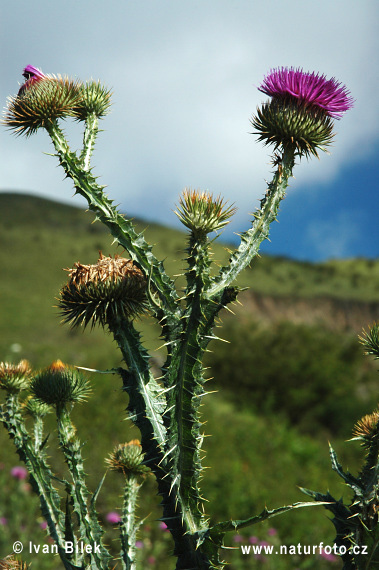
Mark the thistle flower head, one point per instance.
(127, 458)
(60, 384)
(367, 428)
(201, 213)
(41, 100)
(110, 289)
(15, 377)
(308, 90)
(299, 117)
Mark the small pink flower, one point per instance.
(237, 538)
(19, 472)
(151, 560)
(43, 525)
(139, 544)
(253, 540)
(3, 521)
(113, 517)
(272, 532)
(163, 526)
(328, 556)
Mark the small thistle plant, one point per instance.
(297, 121)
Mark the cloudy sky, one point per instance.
(184, 76)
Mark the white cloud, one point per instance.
(184, 77)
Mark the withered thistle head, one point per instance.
(367, 428)
(112, 288)
(15, 377)
(127, 458)
(41, 100)
(60, 384)
(201, 213)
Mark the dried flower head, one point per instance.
(41, 100)
(299, 117)
(367, 428)
(127, 458)
(110, 289)
(308, 90)
(201, 213)
(15, 377)
(60, 384)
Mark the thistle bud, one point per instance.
(35, 408)
(112, 288)
(127, 458)
(94, 100)
(60, 384)
(201, 213)
(41, 100)
(367, 428)
(15, 377)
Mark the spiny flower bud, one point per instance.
(127, 458)
(94, 100)
(201, 213)
(60, 384)
(112, 288)
(41, 100)
(299, 116)
(15, 377)
(10, 563)
(370, 340)
(35, 408)
(367, 428)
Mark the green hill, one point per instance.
(40, 237)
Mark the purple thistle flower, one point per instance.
(32, 75)
(308, 89)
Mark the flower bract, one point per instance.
(201, 213)
(59, 385)
(15, 377)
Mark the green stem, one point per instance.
(90, 530)
(129, 526)
(252, 238)
(89, 138)
(165, 306)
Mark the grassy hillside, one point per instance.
(40, 237)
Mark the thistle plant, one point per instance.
(297, 122)
(356, 523)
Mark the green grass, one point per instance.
(255, 459)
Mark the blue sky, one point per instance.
(184, 77)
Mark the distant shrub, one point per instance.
(307, 374)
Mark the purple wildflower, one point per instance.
(19, 472)
(32, 75)
(113, 517)
(309, 89)
(328, 556)
(139, 544)
(237, 538)
(272, 531)
(163, 526)
(3, 521)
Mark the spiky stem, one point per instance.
(128, 526)
(89, 138)
(89, 528)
